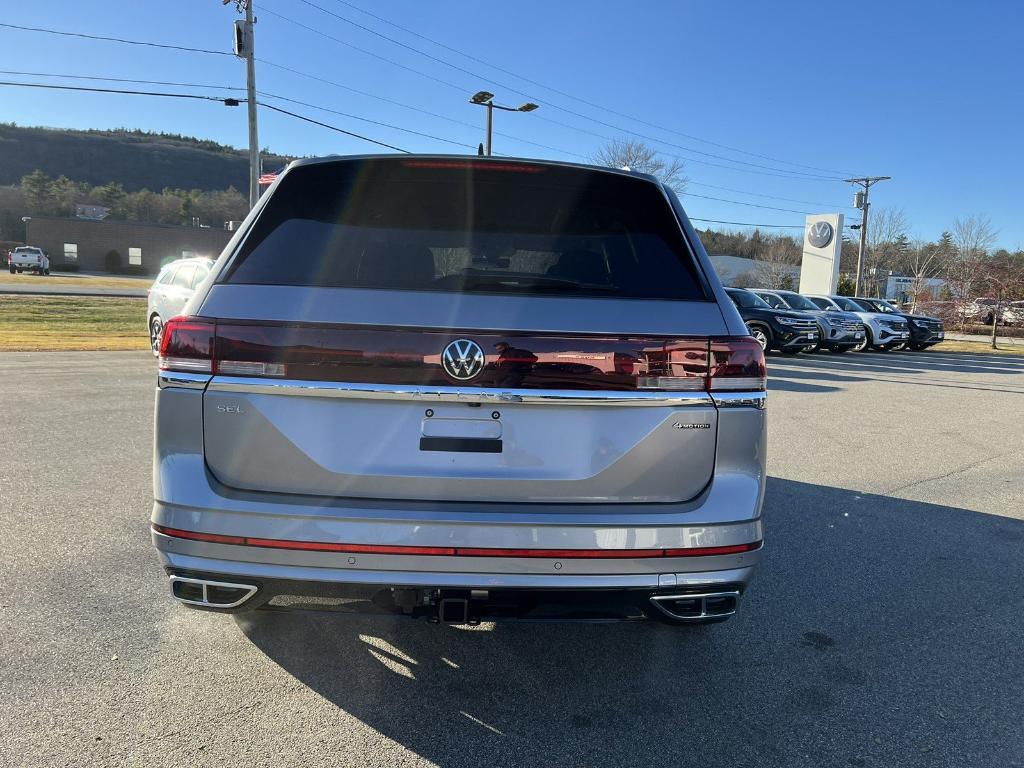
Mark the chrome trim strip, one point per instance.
(182, 379)
(757, 400)
(455, 394)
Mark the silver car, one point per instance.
(461, 389)
(171, 290)
(883, 331)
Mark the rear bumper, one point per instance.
(555, 572)
(713, 595)
(190, 499)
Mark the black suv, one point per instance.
(785, 330)
(925, 330)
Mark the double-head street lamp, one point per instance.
(485, 99)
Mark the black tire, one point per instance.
(792, 350)
(156, 332)
(763, 334)
(841, 350)
(46, 271)
(919, 347)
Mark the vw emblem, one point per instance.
(462, 359)
(819, 234)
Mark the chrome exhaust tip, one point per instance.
(210, 594)
(698, 606)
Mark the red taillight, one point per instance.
(391, 356)
(187, 345)
(737, 365)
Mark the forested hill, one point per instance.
(134, 159)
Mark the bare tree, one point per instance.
(921, 262)
(1002, 274)
(973, 235)
(887, 238)
(776, 266)
(637, 156)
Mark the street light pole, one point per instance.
(485, 99)
(861, 201)
(490, 125)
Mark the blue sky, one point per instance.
(930, 96)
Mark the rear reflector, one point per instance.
(399, 549)
(397, 356)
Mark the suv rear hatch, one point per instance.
(463, 330)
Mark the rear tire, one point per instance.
(156, 333)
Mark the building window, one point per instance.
(70, 251)
(187, 254)
(135, 257)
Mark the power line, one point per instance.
(117, 90)
(786, 172)
(348, 115)
(557, 106)
(410, 107)
(333, 127)
(199, 97)
(576, 98)
(738, 202)
(116, 40)
(362, 119)
(770, 197)
(121, 80)
(748, 224)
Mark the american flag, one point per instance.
(267, 179)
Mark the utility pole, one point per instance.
(860, 200)
(245, 48)
(485, 99)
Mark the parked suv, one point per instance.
(171, 290)
(782, 329)
(883, 331)
(925, 331)
(837, 331)
(462, 389)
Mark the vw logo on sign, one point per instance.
(819, 234)
(463, 359)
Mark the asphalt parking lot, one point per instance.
(884, 629)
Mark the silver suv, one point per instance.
(170, 292)
(461, 389)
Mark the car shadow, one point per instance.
(879, 631)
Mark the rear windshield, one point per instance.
(469, 227)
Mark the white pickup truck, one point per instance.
(28, 258)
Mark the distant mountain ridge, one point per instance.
(135, 159)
